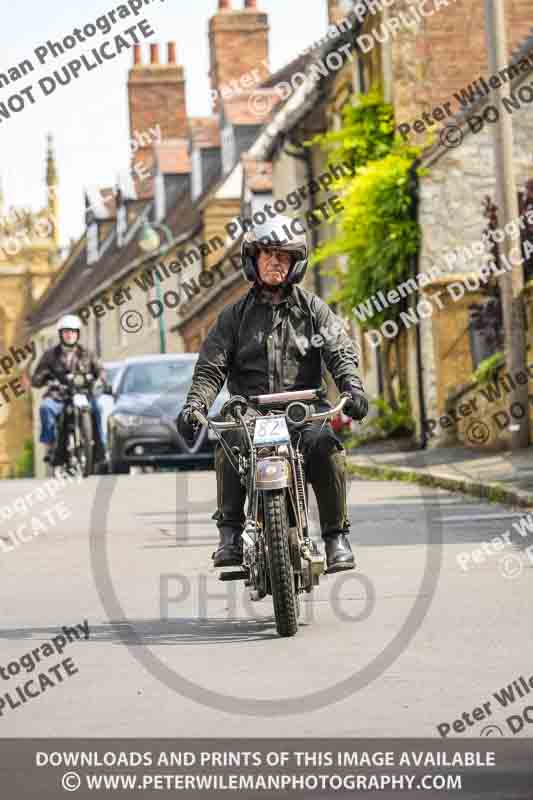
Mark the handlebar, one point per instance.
(77, 381)
(228, 426)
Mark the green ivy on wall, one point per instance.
(377, 230)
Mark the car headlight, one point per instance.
(132, 420)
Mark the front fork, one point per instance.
(273, 473)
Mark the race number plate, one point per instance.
(271, 430)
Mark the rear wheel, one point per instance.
(281, 571)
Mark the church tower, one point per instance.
(29, 261)
(52, 185)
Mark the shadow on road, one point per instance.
(178, 631)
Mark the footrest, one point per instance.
(240, 575)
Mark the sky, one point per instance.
(89, 117)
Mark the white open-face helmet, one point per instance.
(70, 322)
(280, 233)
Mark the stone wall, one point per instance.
(451, 218)
(483, 414)
(446, 52)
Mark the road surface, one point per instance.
(409, 642)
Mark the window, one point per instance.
(228, 149)
(122, 225)
(160, 199)
(92, 243)
(158, 378)
(196, 178)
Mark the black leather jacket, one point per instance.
(263, 348)
(53, 366)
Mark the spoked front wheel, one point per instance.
(86, 451)
(279, 561)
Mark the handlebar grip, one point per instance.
(199, 416)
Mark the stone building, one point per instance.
(451, 217)
(29, 261)
(421, 65)
(437, 69)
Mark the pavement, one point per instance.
(408, 642)
(504, 476)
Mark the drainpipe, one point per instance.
(304, 154)
(414, 269)
(162, 332)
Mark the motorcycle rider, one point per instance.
(276, 339)
(56, 367)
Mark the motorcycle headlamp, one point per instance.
(297, 412)
(273, 473)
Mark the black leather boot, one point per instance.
(339, 554)
(229, 551)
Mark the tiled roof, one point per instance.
(78, 283)
(304, 98)
(285, 74)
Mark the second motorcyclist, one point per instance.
(55, 368)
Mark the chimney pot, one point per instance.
(154, 54)
(247, 35)
(171, 49)
(137, 55)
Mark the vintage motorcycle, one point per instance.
(76, 436)
(279, 558)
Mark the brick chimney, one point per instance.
(238, 41)
(156, 94)
(337, 11)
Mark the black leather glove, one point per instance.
(187, 424)
(357, 407)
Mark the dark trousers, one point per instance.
(325, 470)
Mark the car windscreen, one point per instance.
(158, 377)
(111, 374)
